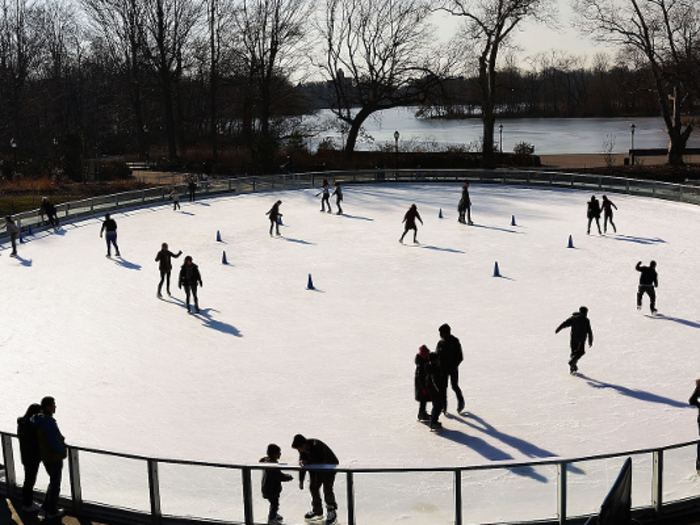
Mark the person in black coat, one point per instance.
(338, 193)
(695, 401)
(31, 456)
(594, 213)
(580, 331)
(164, 259)
(648, 281)
(410, 222)
(190, 278)
(608, 206)
(272, 484)
(315, 452)
(191, 189)
(50, 212)
(274, 215)
(109, 228)
(437, 388)
(464, 207)
(421, 382)
(450, 351)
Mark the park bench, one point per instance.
(138, 166)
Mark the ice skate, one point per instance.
(435, 427)
(460, 407)
(331, 517)
(573, 369)
(313, 515)
(639, 307)
(159, 295)
(423, 416)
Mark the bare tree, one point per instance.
(489, 24)
(377, 56)
(667, 33)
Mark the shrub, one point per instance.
(524, 148)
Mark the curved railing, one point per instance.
(107, 485)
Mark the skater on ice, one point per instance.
(191, 189)
(437, 389)
(608, 206)
(13, 230)
(695, 401)
(50, 211)
(175, 196)
(465, 206)
(109, 228)
(274, 216)
(325, 190)
(410, 223)
(421, 382)
(580, 331)
(450, 351)
(316, 452)
(338, 194)
(30, 455)
(165, 265)
(272, 484)
(593, 213)
(648, 281)
(53, 451)
(190, 278)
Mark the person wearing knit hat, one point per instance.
(421, 382)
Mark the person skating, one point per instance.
(109, 227)
(53, 452)
(316, 452)
(190, 278)
(272, 484)
(648, 281)
(175, 196)
(326, 192)
(165, 265)
(274, 216)
(31, 456)
(464, 207)
(580, 331)
(450, 351)
(437, 389)
(338, 193)
(50, 212)
(421, 382)
(593, 213)
(191, 189)
(695, 401)
(13, 230)
(410, 223)
(608, 206)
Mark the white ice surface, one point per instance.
(267, 358)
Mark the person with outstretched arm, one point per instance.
(648, 282)
(580, 331)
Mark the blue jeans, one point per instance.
(111, 237)
(55, 472)
(274, 506)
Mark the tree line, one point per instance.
(198, 79)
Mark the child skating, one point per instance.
(272, 484)
(326, 192)
(338, 194)
(410, 223)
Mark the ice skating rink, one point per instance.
(267, 358)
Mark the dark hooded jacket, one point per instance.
(580, 327)
(189, 275)
(272, 480)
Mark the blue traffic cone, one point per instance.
(279, 220)
(440, 214)
(496, 272)
(223, 259)
(29, 230)
(571, 242)
(512, 220)
(218, 236)
(310, 284)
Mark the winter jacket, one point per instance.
(580, 327)
(318, 454)
(109, 225)
(274, 212)
(437, 380)
(51, 442)
(450, 352)
(649, 276)
(272, 480)
(164, 257)
(189, 275)
(28, 442)
(48, 208)
(608, 206)
(11, 227)
(421, 379)
(593, 209)
(410, 218)
(338, 193)
(695, 400)
(465, 201)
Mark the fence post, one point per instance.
(154, 491)
(143, 195)
(458, 497)
(561, 492)
(9, 461)
(627, 186)
(247, 496)
(600, 182)
(351, 498)
(75, 487)
(653, 189)
(657, 482)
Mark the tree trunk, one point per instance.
(169, 115)
(354, 131)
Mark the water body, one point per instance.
(549, 136)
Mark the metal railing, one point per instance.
(460, 476)
(34, 220)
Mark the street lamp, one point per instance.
(13, 145)
(632, 128)
(500, 140)
(396, 139)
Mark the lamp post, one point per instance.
(632, 128)
(500, 139)
(13, 145)
(396, 139)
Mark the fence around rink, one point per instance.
(462, 491)
(466, 495)
(36, 220)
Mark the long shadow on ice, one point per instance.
(636, 394)
(298, 241)
(214, 324)
(685, 322)
(356, 217)
(126, 264)
(496, 228)
(431, 247)
(638, 240)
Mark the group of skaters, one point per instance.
(189, 277)
(595, 208)
(13, 228)
(326, 195)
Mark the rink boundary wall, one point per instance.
(659, 512)
(216, 186)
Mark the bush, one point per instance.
(524, 148)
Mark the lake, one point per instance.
(550, 136)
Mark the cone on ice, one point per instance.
(496, 272)
(571, 242)
(279, 220)
(223, 258)
(310, 284)
(218, 236)
(440, 214)
(512, 220)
